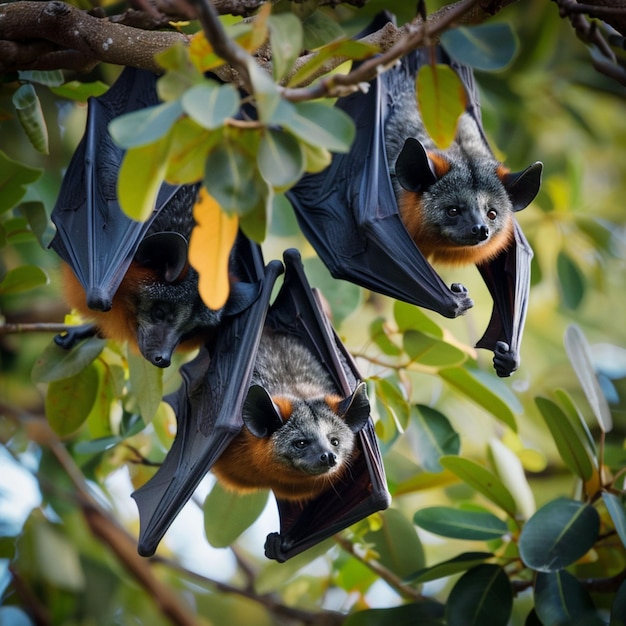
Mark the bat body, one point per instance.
(359, 211)
(299, 434)
(457, 204)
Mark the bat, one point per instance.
(350, 214)
(210, 403)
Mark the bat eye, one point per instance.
(334, 441)
(452, 211)
(300, 444)
(492, 214)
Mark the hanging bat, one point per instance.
(221, 390)
(376, 213)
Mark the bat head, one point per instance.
(315, 436)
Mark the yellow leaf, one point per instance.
(209, 249)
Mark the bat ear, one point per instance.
(260, 414)
(413, 169)
(164, 252)
(355, 409)
(523, 186)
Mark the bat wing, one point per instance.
(363, 490)
(94, 237)
(207, 406)
(349, 213)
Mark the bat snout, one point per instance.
(160, 360)
(329, 459)
(480, 232)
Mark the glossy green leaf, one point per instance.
(558, 534)
(431, 352)
(482, 480)
(617, 511)
(435, 437)
(488, 47)
(14, 178)
(424, 613)
(394, 400)
(228, 514)
(397, 544)
(286, 40)
(140, 178)
(410, 317)
(460, 563)
(441, 99)
(578, 352)
(75, 90)
(229, 175)
(146, 382)
(23, 278)
(56, 363)
(49, 78)
(30, 115)
(145, 126)
(380, 334)
(317, 124)
(266, 94)
(37, 218)
(576, 419)
(571, 281)
(254, 222)
(561, 599)
(483, 595)
(471, 386)
(280, 159)
(319, 27)
(571, 449)
(189, 146)
(460, 524)
(16, 231)
(316, 158)
(69, 401)
(211, 104)
(618, 608)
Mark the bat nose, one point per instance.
(329, 458)
(161, 360)
(481, 231)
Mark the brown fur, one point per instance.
(438, 249)
(262, 470)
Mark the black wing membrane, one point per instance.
(94, 236)
(349, 213)
(208, 409)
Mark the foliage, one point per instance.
(530, 468)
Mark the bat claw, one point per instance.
(464, 302)
(274, 547)
(74, 335)
(505, 360)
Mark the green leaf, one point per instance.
(393, 399)
(435, 437)
(379, 333)
(397, 544)
(561, 599)
(470, 385)
(189, 146)
(23, 278)
(75, 90)
(319, 29)
(146, 126)
(441, 99)
(431, 352)
(571, 449)
(141, 174)
(459, 524)
(37, 218)
(577, 420)
(69, 401)
(211, 104)
(146, 382)
(571, 281)
(14, 177)
(56, 363)
(228, 514)
(317, 124)
(488, 47)
(30, 114)
(615, 506)
(460, 563)
(424, 613)
(410, 317)
(483, 595)
(579, 355)
(57, 560)
(482, 480)
(286, 37)
(558, 534)
(266, 94)
(618, 609)
(49, 78)
(280, 159)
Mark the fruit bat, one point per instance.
(210, 403)
(350, 214)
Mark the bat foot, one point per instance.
(275, 547)
(74, 335)
(464, 302)
(505, 360)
